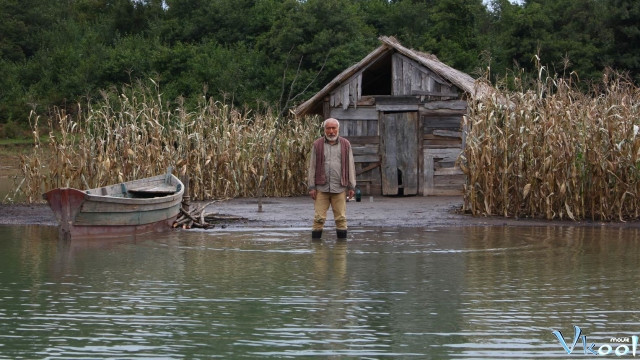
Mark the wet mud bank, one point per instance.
(378, 211)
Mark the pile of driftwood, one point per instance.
(198, 218)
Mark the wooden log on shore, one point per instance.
(199, 218)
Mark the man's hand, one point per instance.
(351, 194)
(313, 194)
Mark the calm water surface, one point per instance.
(480, 293)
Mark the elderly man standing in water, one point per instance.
(331, 176)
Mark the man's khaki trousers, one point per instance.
(338, 204)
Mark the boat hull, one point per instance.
(88, 214)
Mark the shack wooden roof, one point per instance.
(460, 79)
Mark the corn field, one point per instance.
(129, 134)
(555, 152)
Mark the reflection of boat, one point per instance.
(133, 207)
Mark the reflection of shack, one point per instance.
(402, 111)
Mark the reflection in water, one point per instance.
(527, 281)
(412, 293)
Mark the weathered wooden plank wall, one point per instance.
(360, 126)
(366, 155)
(438, 178)
(348, 93)
(439, 110)
(411, 78)
(401, 134)
(389, 155)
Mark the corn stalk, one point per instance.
(131, 134)
(555, 152)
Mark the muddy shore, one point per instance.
(378, 211)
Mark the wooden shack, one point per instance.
(402, 110)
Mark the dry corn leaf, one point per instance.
(526, 190)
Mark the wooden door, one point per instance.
(399, 152)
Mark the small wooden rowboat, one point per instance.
(133, 207)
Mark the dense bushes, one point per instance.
(54, 53)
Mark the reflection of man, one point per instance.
(330, 263)
(329, 272)
(331, 175)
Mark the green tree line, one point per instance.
(278, 52)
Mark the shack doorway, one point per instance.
(399, 152)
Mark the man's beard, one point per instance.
(332, 138)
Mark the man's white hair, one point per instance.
(324, 123)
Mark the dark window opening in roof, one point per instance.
(376, 78)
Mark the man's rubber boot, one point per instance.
(316, 234)
(342, 234)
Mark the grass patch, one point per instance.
(11, 142)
